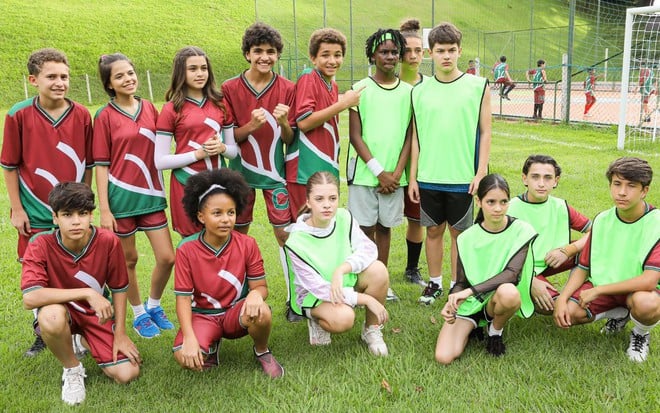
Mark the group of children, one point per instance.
(284, 139)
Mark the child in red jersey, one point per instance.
(64, 274)
(130, 188)
(47, 139)
(196, 117)
(219, 277)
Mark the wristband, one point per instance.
(569, 254)
(374, 167)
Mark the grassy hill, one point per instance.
(150, 32)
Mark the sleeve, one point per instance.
(584, 261)
(365, 251)
(183, 284)
(510, 274)
(653, 259)
(11, 145)
(254, 262)
(89, 137)
(230, 142)
(290, 101)
(578, 222)
(34, 273)
(227, 93)
(117, 274)
(164, 135)
(102, 144)
(305, 101)
(461, 280)
(309, 280)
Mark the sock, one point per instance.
(437, 280)
(640, 328)
(285, 271)
(617, 312)
(262, 353)
(452, 283)
(152, 303)
(138, 310)
(493, 332)
(414, 250)
(78, 367)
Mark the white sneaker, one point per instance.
(317, 335)
(391, 296)
(638, 349)
(73, 385)
(374, 339)
(78, 349)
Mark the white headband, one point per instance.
(211, 188)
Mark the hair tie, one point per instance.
(382, 39)
(211, 188)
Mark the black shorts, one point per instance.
(480, 318)
(438, 207)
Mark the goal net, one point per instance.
(639, 116)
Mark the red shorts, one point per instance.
(181, 223)
(646, 97)
(99, 337)
(147, 222)
(277, 207)
(297, 197)
(539, 96)
(209, 329)
(23, 241)
(411, 210)
(602, 303)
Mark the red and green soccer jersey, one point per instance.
(45, 151)
(216, 279)
(316, 149)
(125, 144)
(261, 156)
(48, 264)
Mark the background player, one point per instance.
(538, 78)
(502, 77)
(47, 139)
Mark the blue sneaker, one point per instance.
(145, 327)
(159, 318)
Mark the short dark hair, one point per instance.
(261, 33)
(540, 62)
(379, 37)
(631, 169)
(502, 58)
(39, 57)
(105, 70)
(326, 35)
(227, 182)
(71, 196)
(545, 159)
(445, 33)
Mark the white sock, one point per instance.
(78, 367)
(452, 283)
(285, 271)
(437, 280)
(138, 310)
(35, 311)
(640, 328)
(616, 313)
(493, 332)
(152, 303)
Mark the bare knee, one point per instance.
(122, 373)
(131, 257)
(53, 319)
(507, 296)
(444, 357)
(343, 319)
(165, 260)
(645, 305)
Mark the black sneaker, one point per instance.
(37, 347)
(414, 276)
(431, 293)
(495, 346)
(292, 317)
(477, 334)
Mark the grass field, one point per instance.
(545, 369)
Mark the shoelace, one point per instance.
(638, 342)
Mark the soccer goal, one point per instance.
(639, 117)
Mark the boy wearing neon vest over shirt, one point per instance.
(618, 273)
(379, 129)
(553, 219)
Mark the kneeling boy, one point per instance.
(64, 274)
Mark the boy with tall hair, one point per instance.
(450, 155)
(259, 101)
(501, 77)
(379, 131)
(618, 274)
(317, 108)
(64, 274)
(47, 139)
(538, 78)
(553, 219)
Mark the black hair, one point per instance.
(487, 184)
(380, 37)
(545, 159)
(105, 70)
(261, 33)
(502, 59)
(228, 182)
(540, 62)
(631, 169)
(72, 197)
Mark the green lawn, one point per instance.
(545, 369)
